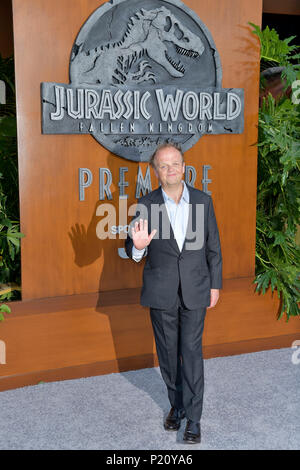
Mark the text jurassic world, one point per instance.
(131, 111)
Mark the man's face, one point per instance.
(169, 166)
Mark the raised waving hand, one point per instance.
(140, 236)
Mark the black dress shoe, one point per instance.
(173, 420)
(192, 433)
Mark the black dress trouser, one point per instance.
(178, 338)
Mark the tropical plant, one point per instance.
(10, 265)
(275, 52)
(278, 178)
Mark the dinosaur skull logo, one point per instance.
(148, 34)
(143, 72)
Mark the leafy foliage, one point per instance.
(275, 52)
(278, 183)
(4, 309)
(10, 266)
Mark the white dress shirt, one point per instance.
(178, 215)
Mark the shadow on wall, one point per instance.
(88, 248)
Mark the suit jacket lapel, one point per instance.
(192, 214)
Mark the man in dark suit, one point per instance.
(175, 228)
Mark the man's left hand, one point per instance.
(214, 297)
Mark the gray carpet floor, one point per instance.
(251, 401)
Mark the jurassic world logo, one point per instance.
(143, 72)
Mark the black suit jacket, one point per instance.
(198, 270)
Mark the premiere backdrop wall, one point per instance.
(80, 312)
(61, 253)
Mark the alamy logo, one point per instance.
(143, 72)
(158, 218)
(2, 352)
(296, 92)
(2, 92)
(296, 353)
